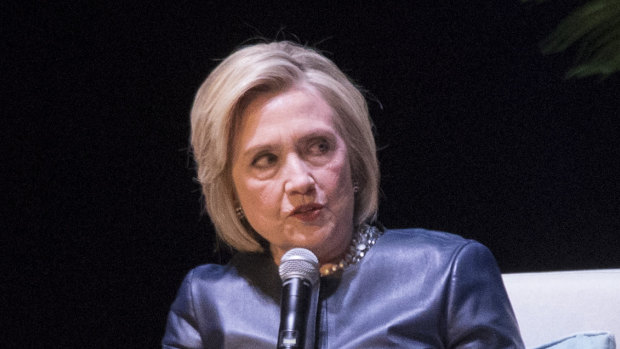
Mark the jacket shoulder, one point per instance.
(423, 238)
(424, 247)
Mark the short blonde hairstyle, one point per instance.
(263, 68)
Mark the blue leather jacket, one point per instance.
(414, 289)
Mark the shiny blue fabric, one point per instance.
(414, 289)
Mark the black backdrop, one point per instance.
(480, 135)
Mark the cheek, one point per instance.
(257, 195)
(262, 207)
(246, 188)
(344, 168)
(339, 177)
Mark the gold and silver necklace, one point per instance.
(365, 237)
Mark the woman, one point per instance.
(286, 158)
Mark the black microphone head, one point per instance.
(299, 262)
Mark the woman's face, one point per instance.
(291, 173)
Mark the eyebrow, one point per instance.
(319, 133)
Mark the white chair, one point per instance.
(553, 305)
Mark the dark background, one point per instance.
(480, 135)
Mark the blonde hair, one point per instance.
(272, 67)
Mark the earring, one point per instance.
(356, 187)
(240, 213)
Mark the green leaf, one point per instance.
(595, 29)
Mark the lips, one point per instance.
(308, 212)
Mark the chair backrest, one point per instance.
(552, 305)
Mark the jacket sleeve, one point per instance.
(479, 314)
(182, 326)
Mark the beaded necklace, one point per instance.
(365, 237)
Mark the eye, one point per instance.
(264, 161)
(319, 147)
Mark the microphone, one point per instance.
(299, 271)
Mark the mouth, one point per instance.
(307, 212)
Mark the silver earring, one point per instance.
(240, 213)
(356, 187)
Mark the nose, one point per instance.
(297, 176)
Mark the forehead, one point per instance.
(297, 110)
